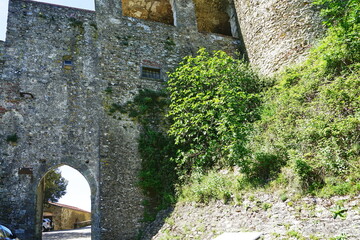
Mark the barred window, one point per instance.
(151, 72)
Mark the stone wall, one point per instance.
(277, 33)
(126, 45)
(52, 112)
(2, 56)
(276, 218)
(153, 10)
(212, 16)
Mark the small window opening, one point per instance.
(151, 72)
(68, 64)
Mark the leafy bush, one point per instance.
(263, 168)
(213, 102)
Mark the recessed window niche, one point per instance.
(212, 16)
(153, 10)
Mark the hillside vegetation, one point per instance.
(227, 130)
(307, 133)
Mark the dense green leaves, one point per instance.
(340, 12)
(213, 101)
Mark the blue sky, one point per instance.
(84, 4)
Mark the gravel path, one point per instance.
(74, 234)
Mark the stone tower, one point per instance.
(277, 33)
(61, 68)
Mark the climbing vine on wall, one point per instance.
(157, 176)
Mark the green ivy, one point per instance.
(157, 175)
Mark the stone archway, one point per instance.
(94, 189)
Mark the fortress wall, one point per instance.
(278, 32)
(58, 112)
(2, 56)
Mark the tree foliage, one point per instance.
(339, 12)
(55, 186)
(214, 98)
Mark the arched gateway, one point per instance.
(61, 70)
(92, 182)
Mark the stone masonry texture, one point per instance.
(62, 68)
(293, 218)
(277, 33)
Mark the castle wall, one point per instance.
(2, 56)
(61, 70)
(277, 32)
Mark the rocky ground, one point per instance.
(74, 234)
(337, 218)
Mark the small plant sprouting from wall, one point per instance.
(169, 44)
(94, 25)
(42, 15)
(109, 90)
(339, 211)
(12, 138)
(157, 176)
(76, 23)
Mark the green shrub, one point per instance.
(264, 168)
(214, 99)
